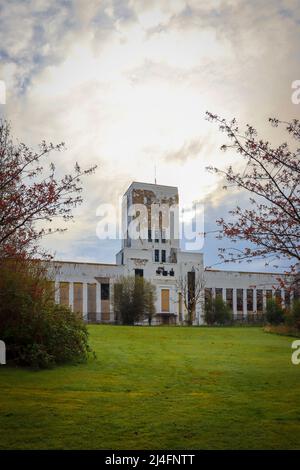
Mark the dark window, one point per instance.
(219, 291)
(269, 294)
(139, 272)
(149, 235)
(239, 300)
(163, 256)
(287, 298)
(259, 300)
(156, 256)
(229, 298)
(191, 289)
(208, 295)
(171, 272)
(278, 296)
(250, 300)
(104, 291)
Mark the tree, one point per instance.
(30, 195)
(274, 312)
(133, 300)
(36, 330)
(191, 287)
(271, 223)
(217, 312)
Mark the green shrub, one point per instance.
(217, 312)
(274, 312)
(37, 332)
(133, 299)
(293, 316)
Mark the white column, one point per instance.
(111, 310)
(71, 295)
(264, 300)
(254, 300)
(224, 294)
(245, 312)
(85, 299)
(234, 302)
(57, 299)
(98, 302)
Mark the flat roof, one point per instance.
(150, 184)
(84, 262)
(244, 272)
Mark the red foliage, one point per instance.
(30, 194)
(272, 176)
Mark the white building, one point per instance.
(155, 254)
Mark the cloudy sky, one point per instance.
(126, 83)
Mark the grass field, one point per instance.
(158, 388)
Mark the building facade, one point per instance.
(151, 249)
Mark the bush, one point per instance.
(37, 332)
(293, 316)
(274, 312)
(217, 312)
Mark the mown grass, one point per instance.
(159, 388)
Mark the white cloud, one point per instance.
(125, 83)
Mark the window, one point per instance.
(229, 298)
(239, 300)
(156, 256)
(287, 298)
(219, 292)
(250, 300)
(163, 256)
(208, 295)
(259, 300)
(269, 294)
(139, 272)
(104, 291)
(149, 235)
(278, 296)
(156, 236)
(163, 236)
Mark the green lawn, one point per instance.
(158, 388)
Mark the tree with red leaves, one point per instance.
(271, 222)
(31, 196)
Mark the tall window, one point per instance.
(156, 256)
(163, 256)
(278, 296)
(287, 298)
(219, 292)
(104, 291)
(250, 300)
(269, 294)
(229, 298)
(208, 295)
(239, 300)
(259, 300)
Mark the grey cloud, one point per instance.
(189, 150)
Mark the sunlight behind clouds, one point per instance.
(126, 85)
